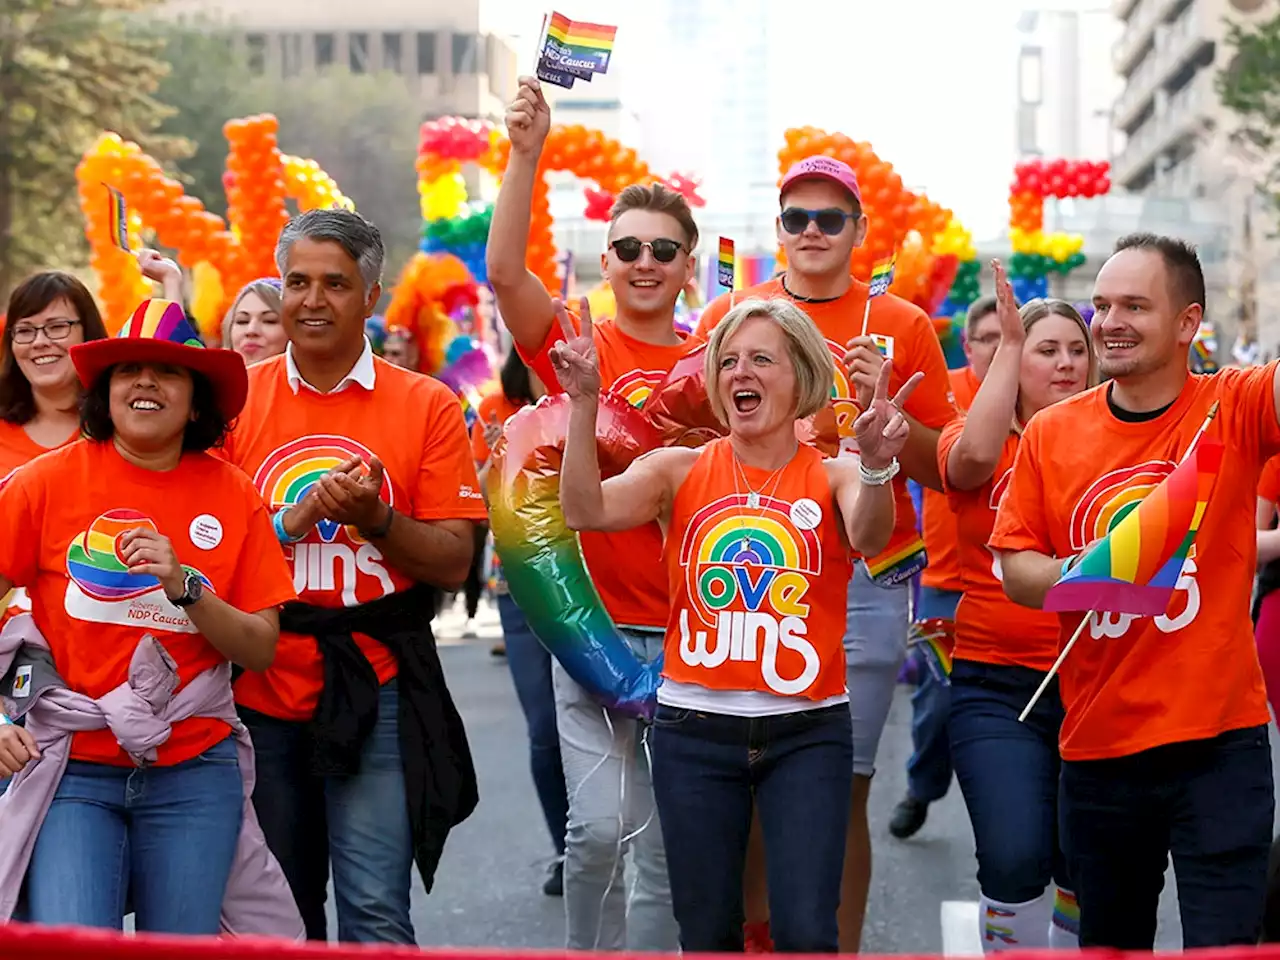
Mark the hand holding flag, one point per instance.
(1134, 569)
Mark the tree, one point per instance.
(1249, 87)
(363, 131)
(68, 69)
(208, 83)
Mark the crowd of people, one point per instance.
(222, 563)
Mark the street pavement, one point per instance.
(488, 889)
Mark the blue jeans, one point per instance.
(929, 768)
(163, 837)
(796, 769)
(531, 672)
(359, 823)
(1008, 772)
(1209, 802)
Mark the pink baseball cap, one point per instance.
(823, 168)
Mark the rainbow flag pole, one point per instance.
(1135, 567)
(881, 280)
(119, 214)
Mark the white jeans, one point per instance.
(606, 772)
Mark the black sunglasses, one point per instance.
(830, 221)
(663, 250)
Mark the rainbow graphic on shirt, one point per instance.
(287, 473)
(96, 566)
(635, 386)
(750, 558)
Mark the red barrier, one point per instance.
(22, 942)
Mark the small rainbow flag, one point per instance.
(724, 265)
(937, 639)
(1203, 348)
(882, 276)
(119, 216)
(1137, 564)
(572, 49)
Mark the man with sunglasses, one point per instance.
(648, 262)
(820, 223)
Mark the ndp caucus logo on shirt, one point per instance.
(1097, 512)
(332, 556)
(101, 589)
(747, 575)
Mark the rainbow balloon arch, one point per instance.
(438, 298)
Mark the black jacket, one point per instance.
(440, 778)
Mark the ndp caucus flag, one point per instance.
(572, 50)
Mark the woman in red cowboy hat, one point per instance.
(144, 558)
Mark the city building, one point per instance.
(1066, 86)
(441, 50)
(1168, 55)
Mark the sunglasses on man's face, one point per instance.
(628, 249)
(830, 221)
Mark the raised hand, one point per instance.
(864, 361)
(528, 118)
(492, 431)
(163, 271)
(1011, 329)
(882, 429)
(574, 358)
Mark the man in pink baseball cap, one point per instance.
(820, 222)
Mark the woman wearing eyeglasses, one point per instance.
(49, 313)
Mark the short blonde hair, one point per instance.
(810, 357)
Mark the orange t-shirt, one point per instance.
(1269, 482)
(61, 546)
(16, 449)
(1132, 683)
(991, 628)
(635, 591)
(285, 442)
(906, 337)
(758, 595)
(495, 406)
(937, 521)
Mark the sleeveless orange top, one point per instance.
(758, 588)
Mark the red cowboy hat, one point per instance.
(158, 332)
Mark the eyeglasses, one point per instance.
(830, 221)
(990, 340)
(663, 250)
(54, 330)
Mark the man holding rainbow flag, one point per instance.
(820, 222)
(1131, 505)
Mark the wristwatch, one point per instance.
(193, 590)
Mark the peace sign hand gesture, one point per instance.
(574, 358)
(881, 431)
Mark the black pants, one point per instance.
(1210, 803)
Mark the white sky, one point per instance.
(929, 83)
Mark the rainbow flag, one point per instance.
(725, 263)
(1137, 564)
(882, 276)
(937, 639)
(573, 49)
(119, 215)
